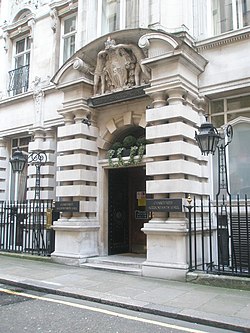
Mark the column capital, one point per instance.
(176, 95)
(200, 104)
(68, 118)
(159, 98)
(80, 115)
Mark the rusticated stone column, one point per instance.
(4, 165)
(174, 166)
(44, 140)
(77, 232)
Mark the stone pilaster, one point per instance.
(159, 100)
(44, 140)
(77, 233)
(3, 169)
(175, 165)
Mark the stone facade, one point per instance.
(179, 70)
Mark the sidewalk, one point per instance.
(220, 307)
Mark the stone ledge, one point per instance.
(233, 282)
(116, 97)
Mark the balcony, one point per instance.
(18, 80)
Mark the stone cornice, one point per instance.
(226, 38)
(19, 25)
(64, 6)
(24, 96)
(225, 88)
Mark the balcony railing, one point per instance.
(18, 80)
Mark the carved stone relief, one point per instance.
(54, 19)
(35, 3)
(38, 96)
(119, 67)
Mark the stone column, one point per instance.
(175, 166)
(77, 232)
(44, 140)
(159, 99)
(4, 165)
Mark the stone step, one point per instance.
(114, 268)
(118, 263)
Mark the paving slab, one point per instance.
(216, 306)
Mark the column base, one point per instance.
(75, 240)
(167, 246)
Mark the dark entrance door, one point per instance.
(127, 210)
(138, 213)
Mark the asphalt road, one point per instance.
(30, 312)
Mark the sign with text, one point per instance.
(141, 215)
(67, 206)
(164, 205)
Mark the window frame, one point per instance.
(19, 77)
(237, 18)
(122, 16)
(21, 179)
(65, 36)
(27, 51)
(238, 115)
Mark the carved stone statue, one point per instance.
(119, 67)
(38, 96)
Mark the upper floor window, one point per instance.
(18, 39)
(22, 56)
(132, 14)
(244, 12)
(19, 77)
(230, 15)
(119, 14)
(154, 11)
(68, 37)
(110, 15)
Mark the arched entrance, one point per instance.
(127, 210)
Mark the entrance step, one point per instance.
(117, 263)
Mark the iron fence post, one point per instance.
(189, 208)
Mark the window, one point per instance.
(244, 12)
(118, 14)
(154, 11)
(235, 110)
(239, 160)
(132, 14)
(230, 15)
(18, 186)
(228, 109)
(68, 37)
(22, 57)
(110, 15)
(19, 77)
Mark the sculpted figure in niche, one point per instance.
(119, 67)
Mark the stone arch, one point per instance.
(120, 126)
(22, 14)
(158, 44)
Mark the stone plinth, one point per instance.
(75, 241)
(167, 244)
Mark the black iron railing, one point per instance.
(219, 235)
(18, 80)
(25, 228)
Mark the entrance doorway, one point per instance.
(127, 210)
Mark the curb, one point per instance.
(189, 316)
(26, 256)
(215, 280)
